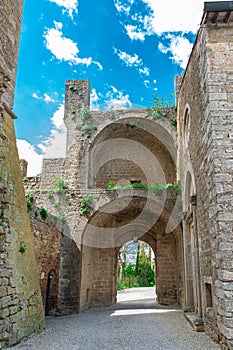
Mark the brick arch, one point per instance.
(120, 151)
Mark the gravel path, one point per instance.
(135, 322)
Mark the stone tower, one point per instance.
(21, 311)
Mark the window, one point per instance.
(208, 291)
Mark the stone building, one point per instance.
(205, 155)
(170, 187)
(21, 310)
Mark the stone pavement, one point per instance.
(135, 322)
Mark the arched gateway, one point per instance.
(121, 167)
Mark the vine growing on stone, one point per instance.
(85, 204)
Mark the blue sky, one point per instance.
(128, 49)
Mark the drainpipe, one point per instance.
(199, 319)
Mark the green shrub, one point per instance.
(43, 213)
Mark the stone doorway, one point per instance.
(51, 293)
(136, 266)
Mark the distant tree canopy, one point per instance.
(136, 266)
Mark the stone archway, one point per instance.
(108, 230)
(136, 265)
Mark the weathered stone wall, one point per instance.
(47, 243)
(10, 13)
(52, 169)
(98, 287)
(121, 172)
(21, 309)
(205, 150)
(104, 277)
(20, 298)
(166, 269)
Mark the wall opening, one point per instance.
(208, 292)
(136, 265)
(51, 294)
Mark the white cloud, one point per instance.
(58, 118)
(53, 147)
(179, 48)
(35, 95)
(27, 151)
(134, 33)
(65, 49)
(94, 98)
(129, 60)
(115, 99)
(160, 16)
(132, 61)
(69, 6)
(46, 98)
(145, 71)
(174, 16)
(123, 5)
(146, 83)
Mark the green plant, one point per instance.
(87, 129)
(22, 247)
(43, 213)
(73, 88)
(73, 115)
(156, 188)
(85, 204)
(59, 186)
(30, 199)
(36, 213)
(58, 217)
(178, 187)
(57, 204)
(111, 185)
(159, 104)
(84, 113)
(49, 195)
(173, 122)
(133, 124)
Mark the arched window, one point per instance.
(186, 127)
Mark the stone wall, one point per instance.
(121, 172)
(205, 152)
(166, 269)
(47, 242)
(20, 298)
(21, 309)
(10, 13)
